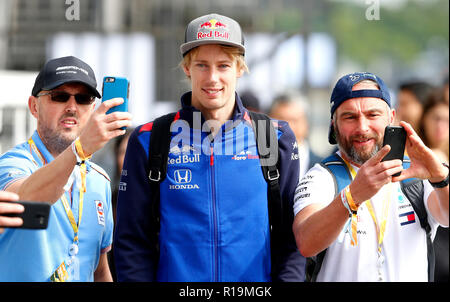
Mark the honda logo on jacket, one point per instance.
(183, 177)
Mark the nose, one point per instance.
(363, 124)
(213, 74)
(71, 104)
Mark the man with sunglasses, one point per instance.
(54, 166)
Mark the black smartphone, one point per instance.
(395, 136)
(35, 215)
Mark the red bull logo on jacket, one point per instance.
(213, 29)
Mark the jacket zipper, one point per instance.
(215, 239)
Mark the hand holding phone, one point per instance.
(35, 215)
(116, 87)
(395, 136)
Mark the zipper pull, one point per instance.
(211, 158)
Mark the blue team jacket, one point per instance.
(214, 222)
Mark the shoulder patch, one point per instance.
(100, 170)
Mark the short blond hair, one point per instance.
(233, 52)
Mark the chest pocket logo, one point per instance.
(100, 212)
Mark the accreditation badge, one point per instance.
(60, 274)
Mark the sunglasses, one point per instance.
(62, 97)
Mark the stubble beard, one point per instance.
(55, 140)
(357, 157)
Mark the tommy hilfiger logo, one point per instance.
(407, 218)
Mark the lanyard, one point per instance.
(380, 228)
(64, 200)
(36, 151)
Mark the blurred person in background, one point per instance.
(294, 110)
(434, 131)
(410, 100)
(446, 88)
(6, 207)
(250, 101)
(54, 166)
(434, 124)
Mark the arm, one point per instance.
(317, 226)
(290, 264)
(47, 183)
(134, 237)
(426, 165)
(103, 273)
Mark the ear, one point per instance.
(33, 106)
(240, 72)
(392, 116)
(186, 70)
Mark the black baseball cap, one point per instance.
(59, 71)
(343, 91)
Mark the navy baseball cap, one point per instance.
(57, 72)
(343, 91)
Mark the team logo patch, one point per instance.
(182, 176)
(100, 212)
(213, 29)
(407, 218)
(176, 150)
(122, 186)
(243, 155)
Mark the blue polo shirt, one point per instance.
(33, 255)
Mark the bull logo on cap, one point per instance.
(213, 29)
(212, 24)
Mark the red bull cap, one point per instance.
(212, 29)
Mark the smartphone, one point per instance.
(116, 87)
(395, 136)
(35, 215)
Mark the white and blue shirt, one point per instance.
(33, 255)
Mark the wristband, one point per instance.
(352, 225)
(80, 169)
(441, 184)
(345, 202)
(350, 200)
(74, 150)
(77, 149)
